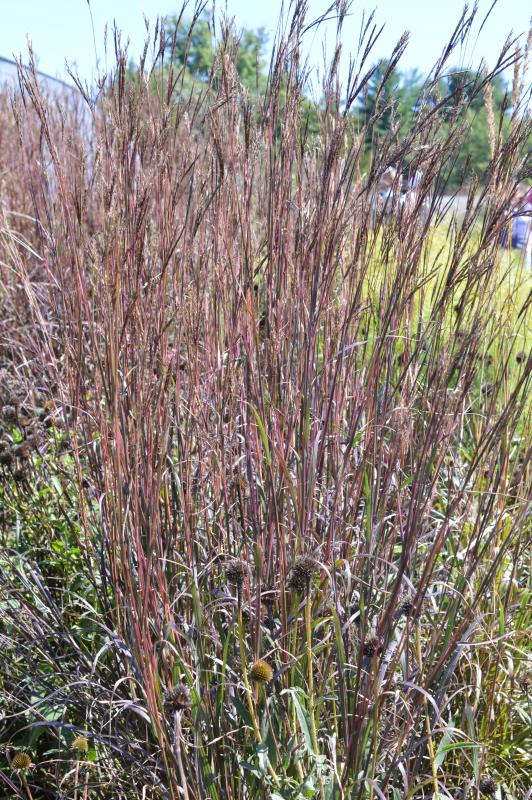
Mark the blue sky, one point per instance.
(61, 29)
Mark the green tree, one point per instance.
(393, 96)
(197, 49)
(193, 46)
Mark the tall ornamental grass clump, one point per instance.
(269, 539)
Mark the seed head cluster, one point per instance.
(261, 672)
(372, 646)
(487, 787)
(177, 698)
(6, 457)
(406, 606)
(236, 571)
(302, 573)
(21, 761)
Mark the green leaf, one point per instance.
(262, 756)
(243, 712)
(56, 484)
(303, 718)
(262, 434)
(308, 789)
(251, 768)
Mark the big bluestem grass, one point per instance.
(254, 360)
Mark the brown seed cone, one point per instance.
(406, 606)
(236, 571)
(261, 672)
(487, 786)
(21, 761)
(372, 646)
(303, 570)
(177, 698)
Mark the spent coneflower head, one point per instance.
(21, 450)
(34, 438)
(487, 786)
(21, 761)
(9, 413)
(6, 457)
(372, 646)
(177, 698)
(236, 571)
(80, 743)
(261, 672)
(406, 606)
(302, 572)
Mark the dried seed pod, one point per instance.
(21, 761)
(177, 698)
(34, 439)
(21, 450)
(303, 570)
(487, 786)
(489, 360)
(372, 646)
(236, 571)
(406, 606)
(6, 457)
(25, 420)
(9, 413)
(261, 672)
